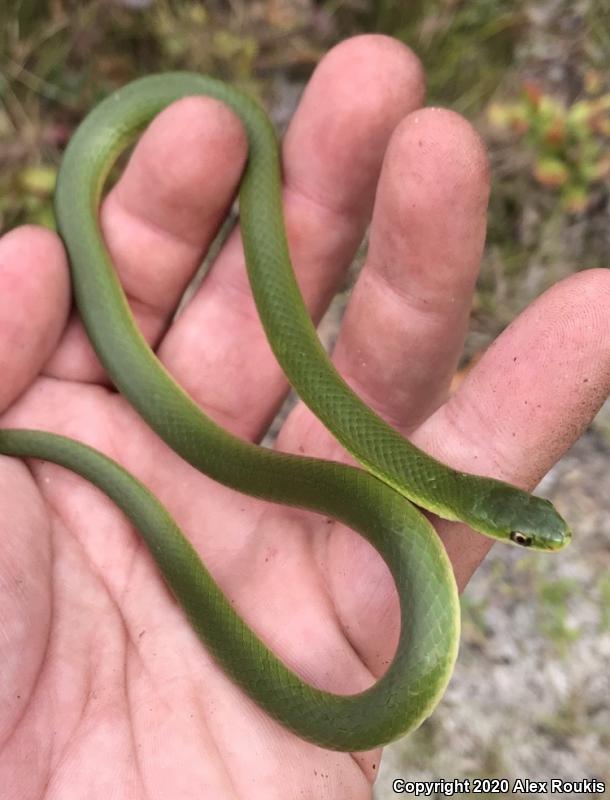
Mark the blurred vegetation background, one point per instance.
(533, 77)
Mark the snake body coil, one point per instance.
(371, 501)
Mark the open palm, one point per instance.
(104, 689)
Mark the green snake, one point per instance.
(376, 501)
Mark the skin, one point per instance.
(104, 689)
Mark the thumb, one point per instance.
(528, 399)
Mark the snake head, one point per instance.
(524, 519)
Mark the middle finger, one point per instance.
(332, 156)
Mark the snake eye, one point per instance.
(520, 538)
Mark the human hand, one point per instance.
(105, 688)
